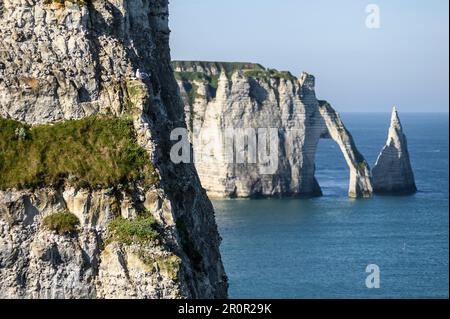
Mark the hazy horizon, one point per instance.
(357, 69)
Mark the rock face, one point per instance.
(219, 96)
(37, 263)
(67, 61)
(360, 184)
(392, 173)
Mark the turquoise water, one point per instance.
(319, 248)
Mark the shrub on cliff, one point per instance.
(94, 152)
(142, 229)
(63, 223)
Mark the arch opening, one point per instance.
(332, 172)
(359, 182)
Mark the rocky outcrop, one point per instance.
(38, 263)
(70, 59)
(219, 96)
(360, 184)
(392, 173)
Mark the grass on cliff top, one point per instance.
(64, 223)
(266, 75)
(189, 78)
(228, 67)
(141, 230)
(250, 69)
(94, 152)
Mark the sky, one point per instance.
(404, 62)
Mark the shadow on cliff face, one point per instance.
(257, 92)
(147, 48)
(137, 47)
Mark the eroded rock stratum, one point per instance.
(68, 60)
(221, 95)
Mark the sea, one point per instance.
(337, 247)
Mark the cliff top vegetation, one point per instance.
(94, 152)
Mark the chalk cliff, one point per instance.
(392, 173)
(219, 96)
(360, 184)
(67, 60)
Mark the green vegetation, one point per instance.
(141, 230)
(192, 76)
(168, 266)
(136, 90)
(94, 152)
(136, 96)
(228, 67)
(192, 92)
(188, 77)
(266, 75)
(362, 165)
(214, 82)
(188, 245)
(64, 223)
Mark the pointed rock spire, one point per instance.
(395, 121)
(392, 173)
(307, 81)
(396, 135)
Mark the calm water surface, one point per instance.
(319, 248)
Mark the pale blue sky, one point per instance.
(405, 62)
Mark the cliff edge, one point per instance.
(245, 97)
(97, 209)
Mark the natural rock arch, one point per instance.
(248, 95)
(360, 184)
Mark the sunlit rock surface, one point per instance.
(219, 96)
(392, 173)
(66, 61)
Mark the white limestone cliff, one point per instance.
(70, 59)
(360, 184)
(219, 96)
(38, 263)
(392, 173)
